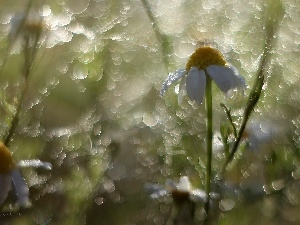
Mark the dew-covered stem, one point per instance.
(12, 40)
(209, 139)
(254, 96)
(229, 117)
(30, 53)
(15, 118)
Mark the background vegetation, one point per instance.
(91, 107)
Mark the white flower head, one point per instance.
(205, 62)
(184, 184)
(181, 191)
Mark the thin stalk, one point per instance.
(274, 16)
(29, 55)
(15, 119)
(256, 91)
(173, 215)
(227, 111)
(209, 139)
(12, 40)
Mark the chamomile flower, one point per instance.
(203, 63)
(180, 192)
(10, 174)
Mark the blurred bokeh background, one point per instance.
(92, 109)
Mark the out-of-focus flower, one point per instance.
(185, 199)
(27, 26)
(259, 134)
(205, 61)
(180, 192)
(10, 173)
(256, 135)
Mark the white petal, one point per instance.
(240, 81)
(35, 163)
(184, 184)
(182, 90)
(156, 190)
(198, 195)
(195, 84)
(172, 77)
(5, 185)
(170, 185)
(225, 78)
(21, 188)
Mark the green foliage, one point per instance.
(81, 90)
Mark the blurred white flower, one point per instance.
(26, 26)
(10, 173)
(180, 192)
(205, 61)
(256, 135)
(259, 134)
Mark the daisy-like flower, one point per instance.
(185, 198)
(9, 173)
(180, 192)
(205, 62)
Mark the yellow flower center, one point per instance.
(7, 162)
(204, 57)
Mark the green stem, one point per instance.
(228, 114)
(174, 213)
(209, 139)
(15, 118)
(271, 28)
(29, 55)
(13, 40)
